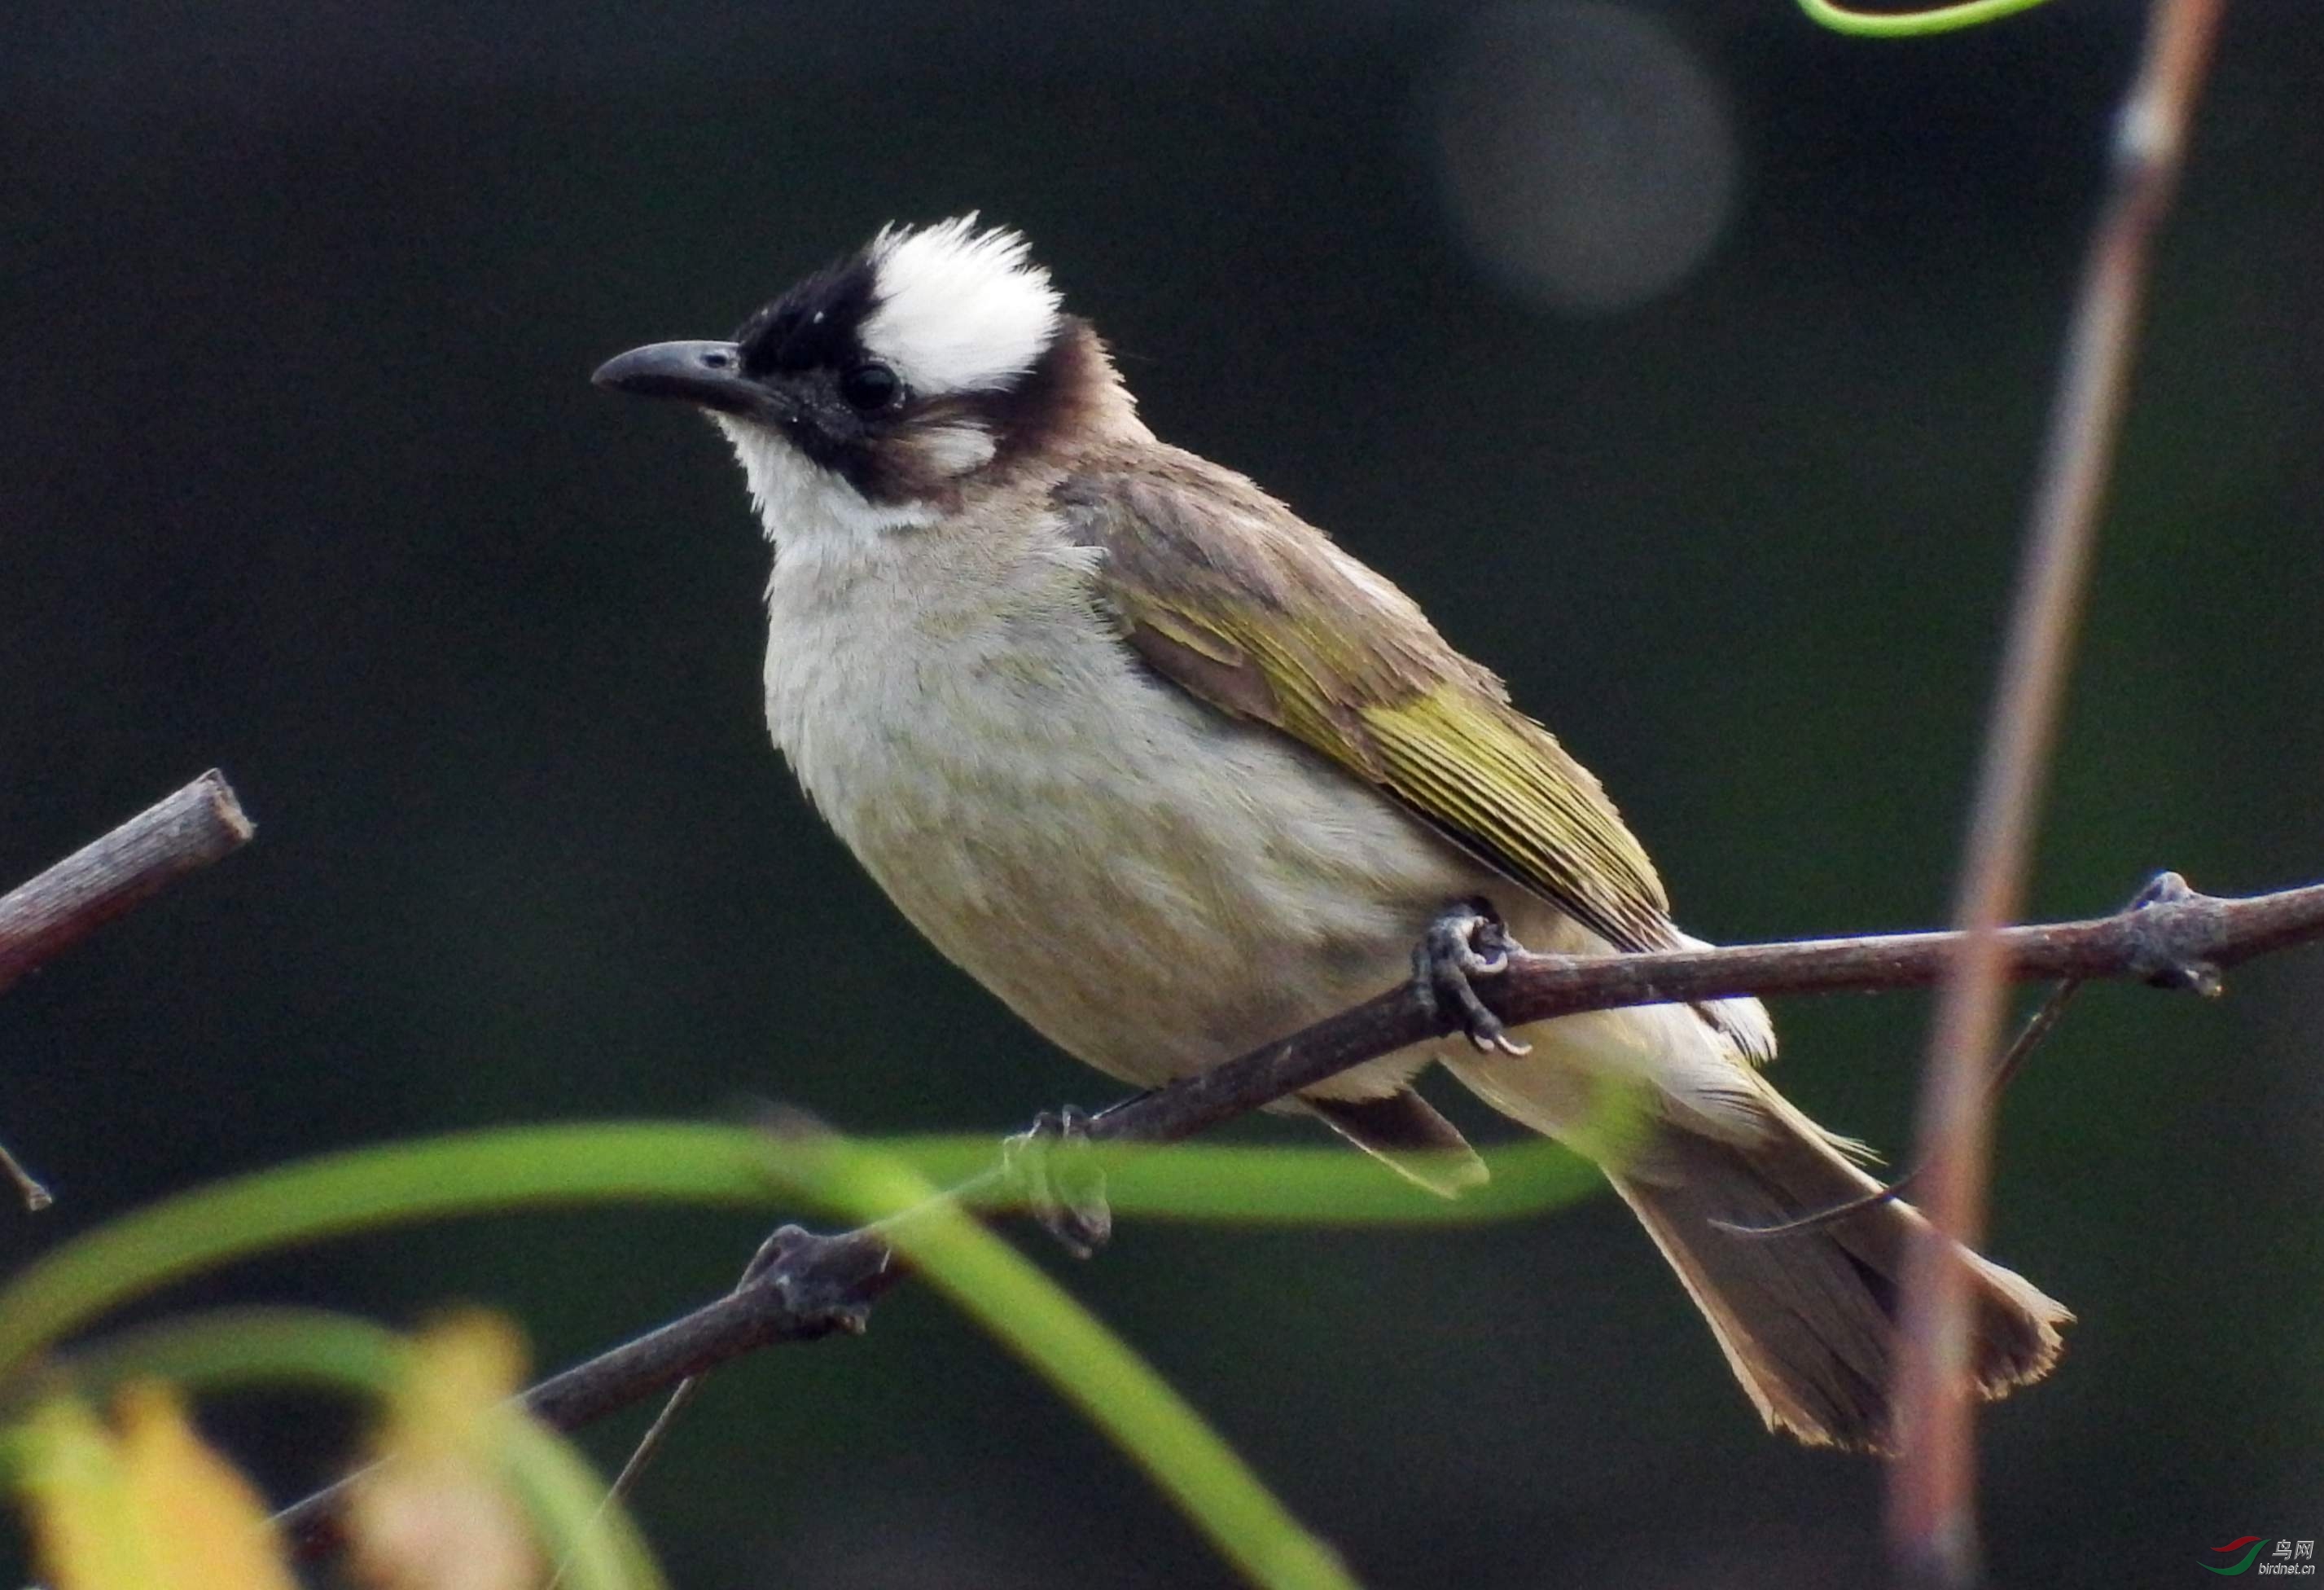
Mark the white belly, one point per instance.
(1154, 886)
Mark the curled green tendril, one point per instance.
(1912, 24)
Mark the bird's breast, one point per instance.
(1152, 884)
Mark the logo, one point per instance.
(2251, 1554)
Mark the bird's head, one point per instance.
(880, 387)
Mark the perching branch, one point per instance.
(28, 1186)
(1932, 1491)
(810, 1286)
(108, 877)
(39, 919)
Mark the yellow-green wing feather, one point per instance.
(1229, 595)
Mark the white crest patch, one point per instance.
(958, 309)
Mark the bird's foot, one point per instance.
(1467, 941)
(1052, 1166)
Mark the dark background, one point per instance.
(1688, 363)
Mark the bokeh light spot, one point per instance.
(1586, 156)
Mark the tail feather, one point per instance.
(1405, 1132)
(1808, 1321)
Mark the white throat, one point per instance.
(802, 505)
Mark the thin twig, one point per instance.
(665, 1420)
(180, 834)
(814, 1286)
(2029, 1037)
(1931, 1494)
(36, 1197)
(41, 919)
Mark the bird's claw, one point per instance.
(1467, 941)
(1052, 1166)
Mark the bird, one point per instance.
(1172, 774)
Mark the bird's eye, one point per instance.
(869, 388)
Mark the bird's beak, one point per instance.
(706, 373)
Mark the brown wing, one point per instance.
(1231, 596)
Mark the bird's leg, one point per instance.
(1467, 941)
(1064, 1190)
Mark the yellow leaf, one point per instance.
(437, 1513)
(84, 1535)
(209, 1529)
(151, 1508)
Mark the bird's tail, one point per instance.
(1808, 1320)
